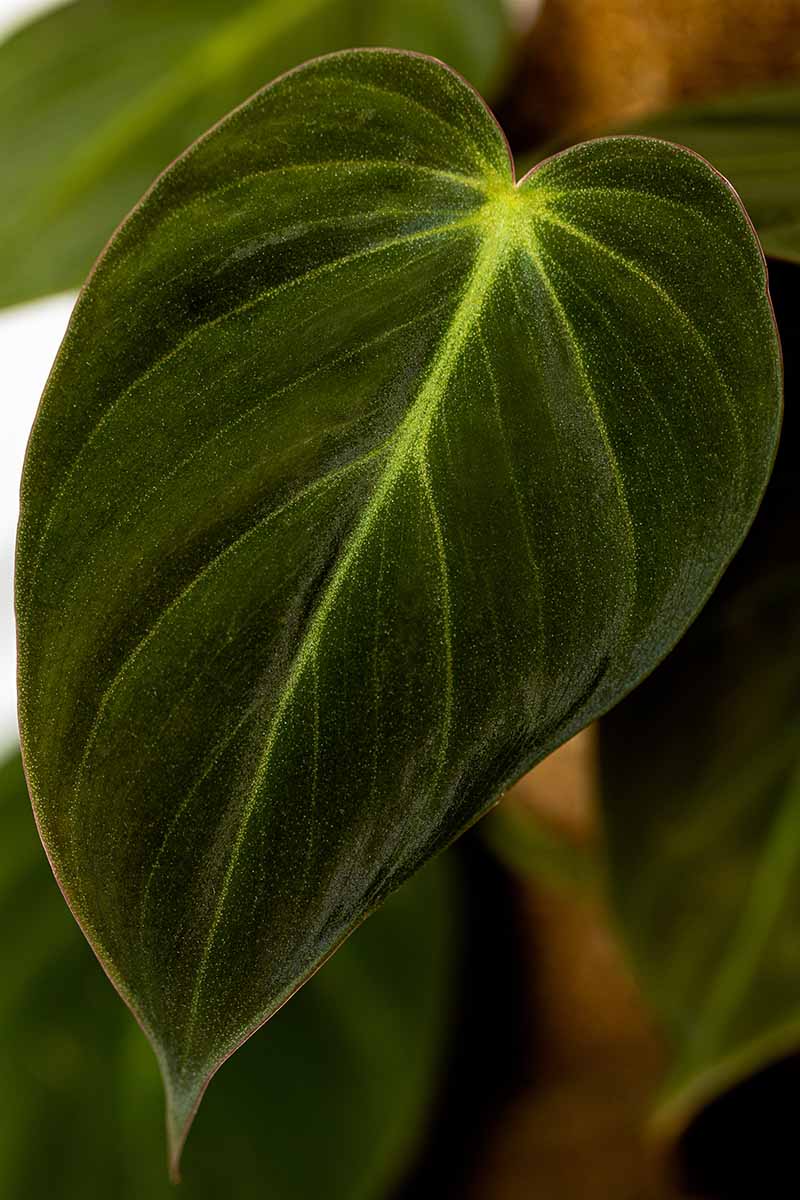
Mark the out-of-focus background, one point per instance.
(29, 337)
(531, 1017)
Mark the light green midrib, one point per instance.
(323, 483)
(110, 690)
(410, 445)
(451, 226)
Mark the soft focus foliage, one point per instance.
(701, 796)
(754, 140)
(100, 95)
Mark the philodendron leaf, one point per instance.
(364, 478)
(700, 776)
(100, 95)
(331, 1100)
(754, 139)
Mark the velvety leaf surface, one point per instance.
(364, 478)
(754, 140)
(99, 96)
(701, 798)
(79, 1089)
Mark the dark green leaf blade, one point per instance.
(335, 375)
(754, 140)
(79, 1089)
(700, 774)
(98, 97)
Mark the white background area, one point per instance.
(29, 338)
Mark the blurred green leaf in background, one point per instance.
(754, 140)
(330, 1099)
(700, 772)
(97, 97)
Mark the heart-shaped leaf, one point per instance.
(364, 478)
(79, 1089)
(754, 139)
(701, 802)
(100, 95)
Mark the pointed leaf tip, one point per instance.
(180, 1111)
(333, 376)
